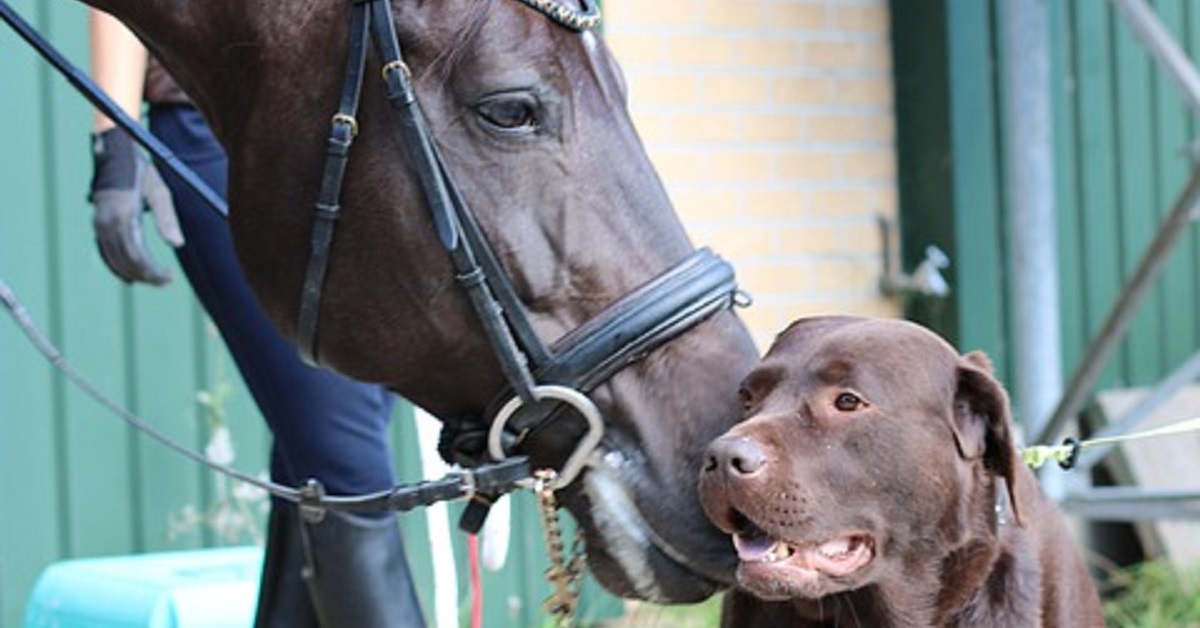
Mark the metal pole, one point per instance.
(1159, 42)
(1134, 503)
(1029, 179)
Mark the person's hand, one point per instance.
(123, 183)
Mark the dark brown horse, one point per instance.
(531, 120)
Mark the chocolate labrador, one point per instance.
(874, 482)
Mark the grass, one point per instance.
(1153, 594)
(1148, 595)
(644, 615)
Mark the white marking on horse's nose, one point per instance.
(621, 526)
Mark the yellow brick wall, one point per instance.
(771, 122)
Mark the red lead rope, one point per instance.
(476, 581)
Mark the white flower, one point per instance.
(248, 493)
(227, 522)
(220, 446)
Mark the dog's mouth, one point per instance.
(773, 568)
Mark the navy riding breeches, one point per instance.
(325, 426)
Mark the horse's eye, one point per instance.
(848, 402)
(510, 112)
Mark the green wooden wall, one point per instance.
(1124, 148)
(74, 482)
(1121, 142)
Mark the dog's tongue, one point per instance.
(753, 548)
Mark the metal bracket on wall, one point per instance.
(925, 280)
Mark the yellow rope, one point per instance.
(1038, 455)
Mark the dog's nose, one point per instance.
(735, 455)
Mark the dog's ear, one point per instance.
(983, 422)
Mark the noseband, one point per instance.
(633, 326)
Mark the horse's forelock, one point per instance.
(473, 18)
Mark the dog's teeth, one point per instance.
(835, 548)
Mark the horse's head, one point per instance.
(531, 120)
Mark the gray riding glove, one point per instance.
(123, 184)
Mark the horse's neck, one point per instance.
(198, 42)
(162, 21)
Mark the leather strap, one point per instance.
(640, 322)
(328, 207)
(445, 207)
(625, 332)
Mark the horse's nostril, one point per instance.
(737, 456)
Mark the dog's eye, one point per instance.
(746, 397)
(848, 402)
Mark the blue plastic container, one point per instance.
(214, 588)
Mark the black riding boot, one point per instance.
(347, 571)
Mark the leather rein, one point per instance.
(633, 326)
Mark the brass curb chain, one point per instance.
(562, 574)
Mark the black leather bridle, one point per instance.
(635, 325)
(627, 330)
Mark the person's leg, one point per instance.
(326, 427)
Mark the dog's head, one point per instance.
(868, 446)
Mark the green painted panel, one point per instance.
(1178, 329)
(979, 221)
(1139, 207)
(1066, 129)
(925, 160)
(1098, 165)
(30, 507)
(88, 490)
(1191, 21)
